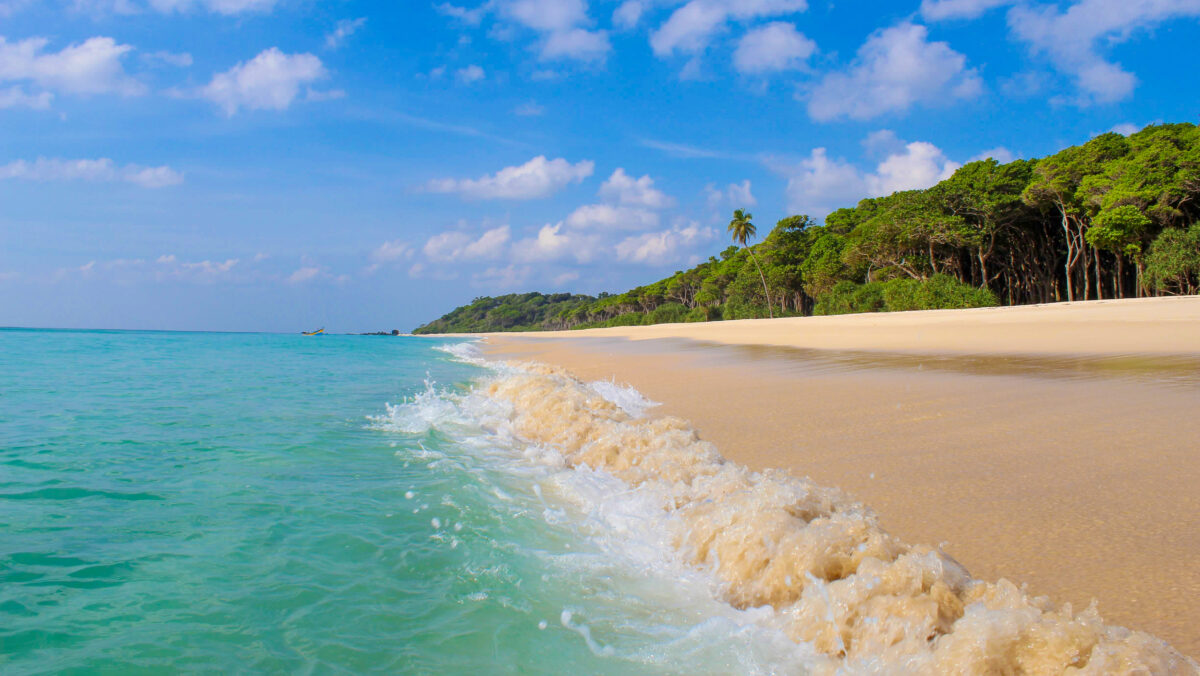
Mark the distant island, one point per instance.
(1116, 217)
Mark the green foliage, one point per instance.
(901, 295)
(515, 312)
(1101, 219)
(846, 297)
(1173, 265)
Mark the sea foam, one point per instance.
(784, 553)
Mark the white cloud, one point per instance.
(227, 7)
(941, 10)
(470, 74)
(628, 14)
(1070, 38)
(774, 47)
(624, 189)
(15, 97)
(691, 27)
(552, 243)
(737, 195)
(453, 246)
(471, 17)
(1125, 128)
(660, 248)
(304, 274)
(167, 266)
(820, 184)
(344, 29)
(607, 217)
(535, 179)
(90, 67)
(561, 25)
(99, 170)
(389, 252)
(896, 68)
(919, 166)
(270, 81)
(578, 44)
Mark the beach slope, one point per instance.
(1057, 446)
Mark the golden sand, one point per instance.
(1075, 476)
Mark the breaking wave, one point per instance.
(798, 558)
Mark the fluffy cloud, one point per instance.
(391, 251)
(608, 217)
(90, 67)
(100, 170)
(1124, 129)
(624, 189)
(896, 68)
(1070, 37)
(15, 97)
(453, 247)
(661, 248)
(738, 195)
(270, 81)
(920, 165)
(304, 274)
(819, 184)
(535, 179)
(774, 47)
(227, 7)
(691, 27)
(628, 13)
(561, 25)
(344, 29)
(552, 244)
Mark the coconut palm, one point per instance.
(742, 229)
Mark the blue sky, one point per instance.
(282, 164)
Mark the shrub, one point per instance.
(899, 295)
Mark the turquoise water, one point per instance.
(249, 503)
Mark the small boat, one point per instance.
(315, 333)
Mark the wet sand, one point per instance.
(1076, 475)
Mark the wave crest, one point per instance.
(865, 600)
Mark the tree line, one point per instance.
(1116, 217)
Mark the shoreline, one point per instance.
(1058, 472)
(1142, 326)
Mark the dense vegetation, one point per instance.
(1116, 217)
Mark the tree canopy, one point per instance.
(1115, 217)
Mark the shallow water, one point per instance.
(271, 503)
(226, 502)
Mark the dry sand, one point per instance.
(1057, 446)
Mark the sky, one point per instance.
(280, 165)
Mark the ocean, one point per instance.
(346, 504)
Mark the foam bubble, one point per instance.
(788, 557)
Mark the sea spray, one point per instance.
(806, 559)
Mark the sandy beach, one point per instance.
(1055, 446)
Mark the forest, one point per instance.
(1116, 217)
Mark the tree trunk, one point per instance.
(770, 311)
(1071, 255)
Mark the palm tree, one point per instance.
(742, 229)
